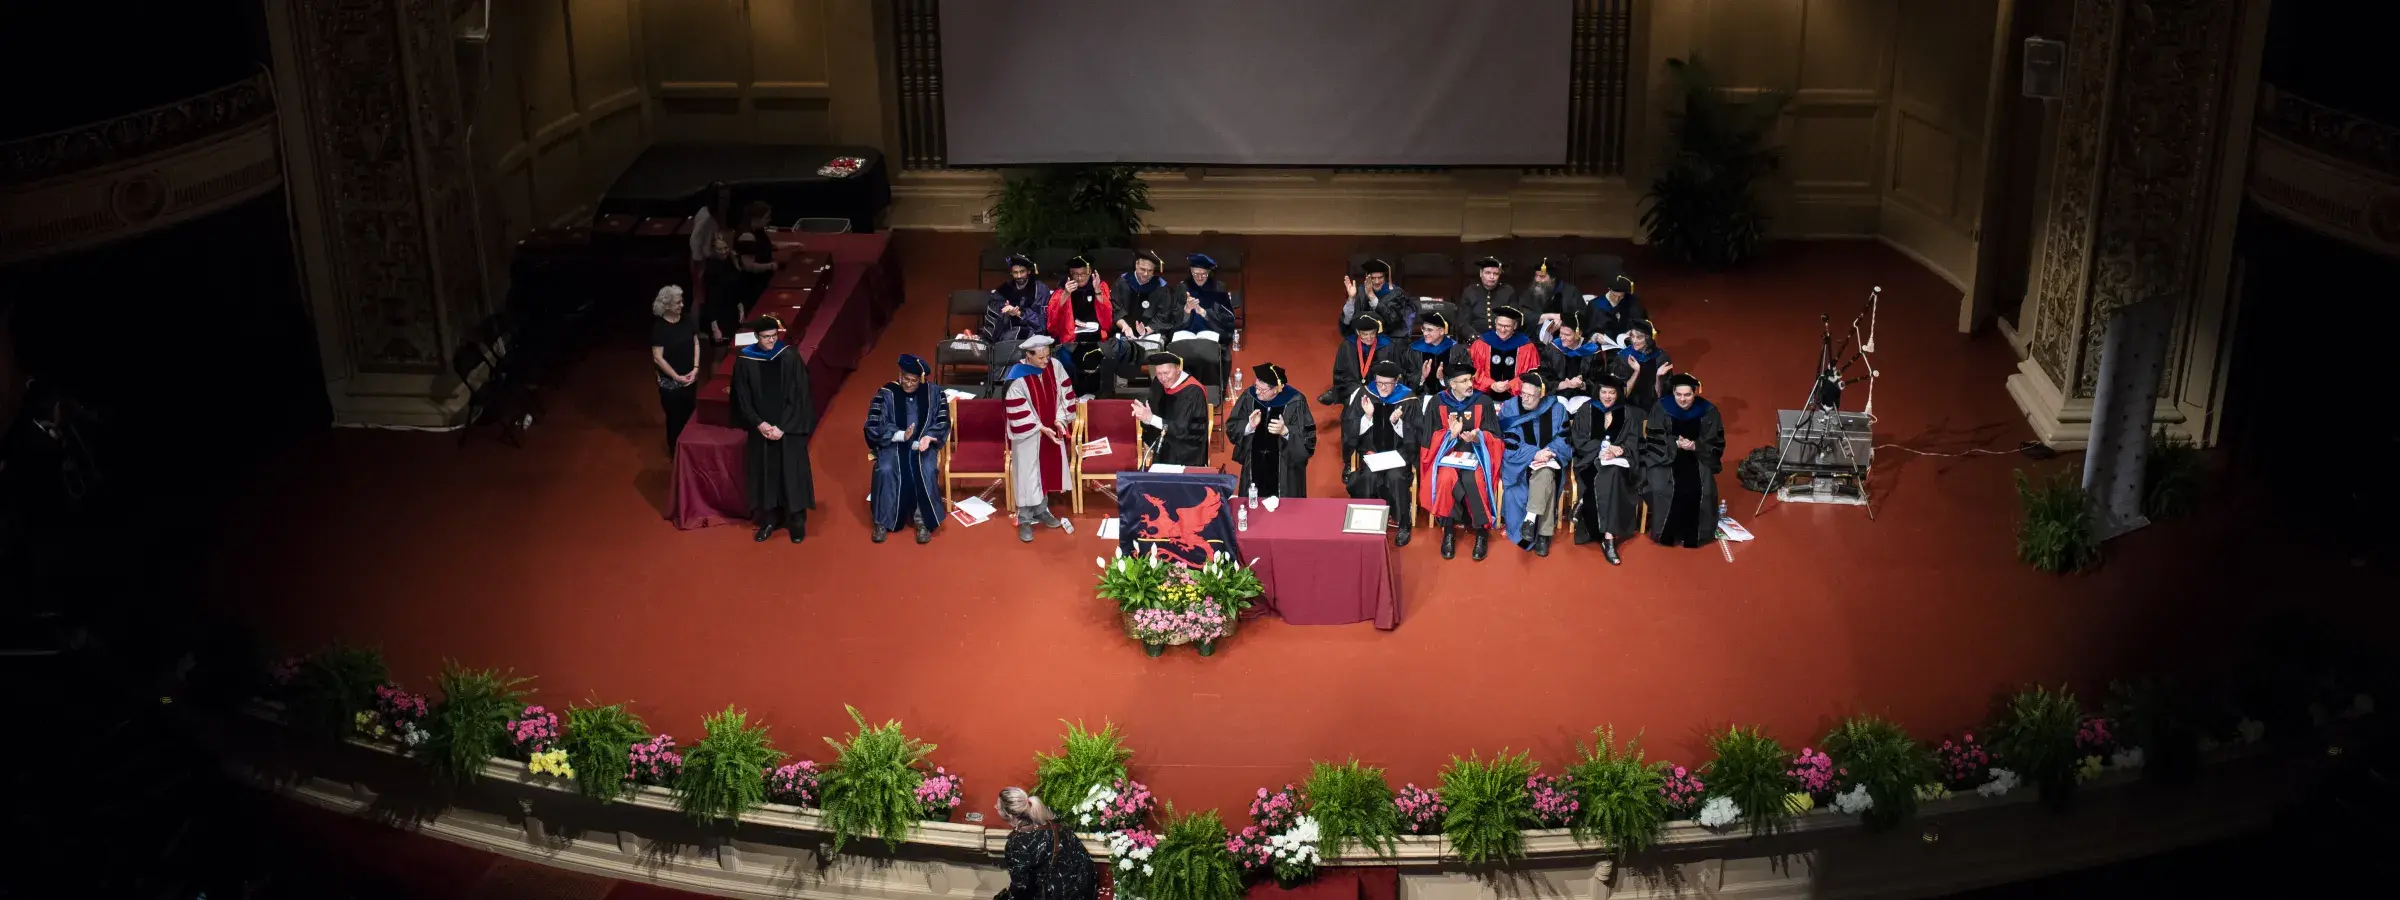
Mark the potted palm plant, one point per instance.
(1703, 203)
(1078, 207)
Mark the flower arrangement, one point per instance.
(1275, 811)
(1230, 584)
(1963, 763)
(2128, 758)
(1250, 849)
(1929, 792)
(403, 711)
(1814, 772)
(940, 793)
(1116, 806)
(2094, 738)
(1421, 810)
(1129, 852)
(1718, 812)
(1684, 791)
(550, 762)
(1554, 800)
(1295, 850)
(795, 783)
(281, 672)
(2002, 781)
(1164, 603)
(1200, 624)
(1135, 582)
(655, 762)
(2088, 769)
(534, 730)
(1855, 801)
(1352, 802)
(1796, 803)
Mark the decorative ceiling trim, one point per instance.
(2337, 133)
(136, 137)
(152, 192)
(2332, 196)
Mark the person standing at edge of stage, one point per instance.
(1503, 355)
(906, 425)
(1271, 436)
(1533, 431)
(1475, 304)
(1683, 449)
(1374, 294)
(771, 402)
(675, 357)
(1041, 410)
(1376, 420)
(1460, 460)
(1610, 501)
(753, 256)
(1175, 417)
(1356, 358)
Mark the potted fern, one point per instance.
(1883, 768)
(871, 789)
(1191, 862)
(724, 775)
(1489, 806)
(2055, 532)
(599, 747)
(324, 692)
(1750, 781)
(2036, 739)
(1621, 797)
(469, 725)
(1086, 760)
(1077, 207)
(1352, 803)
(1703, 203)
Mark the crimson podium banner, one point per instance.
(1188, 516)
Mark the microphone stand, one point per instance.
(1820, 418)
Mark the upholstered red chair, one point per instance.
(1111, 419)
(978, 445)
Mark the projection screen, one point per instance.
(1256, 82)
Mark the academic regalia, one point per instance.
(1683, 483)
(906, 480)
(1612, 320)
(1038, 396)
(1032, 300)
(1641, 385)
(1152, 303)
(1523, 433)
(1442, 486)
(1583, 361)
(1367, 428)
(1426, 367)
(1276, 465)
(1610, 495)
(1080, 320)
(1559, 299)
(1204, 360)
(1475, 305)
(771, 386)
(1356, 357)
(1392, 306)
(1500, 362)
(1182, 437)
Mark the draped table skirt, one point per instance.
(1314, 573)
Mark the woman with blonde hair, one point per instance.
(1046, 861)
(675, 359)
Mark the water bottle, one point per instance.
(1241, 518)
(1237, 381)
(1237, 339)
(1721, 509)
(1253, 496)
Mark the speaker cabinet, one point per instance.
(2045, 68)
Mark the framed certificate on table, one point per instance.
(1365, 518)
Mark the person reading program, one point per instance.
(1040, 410)
(1533, 429)
(1357, 356)
(1175, 417)
(1272, 436)
(906, 424)
(771, 402)
(1460, 458)
(1606, 429)
(1376, 421)
(1616, 310)
(1683, 449)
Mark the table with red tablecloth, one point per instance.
(711, 482)
(1315, 573)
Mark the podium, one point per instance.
(1188, 516)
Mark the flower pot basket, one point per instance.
(1154, 651)
(1206, 648)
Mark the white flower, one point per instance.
(1854, 801)
(2252, 730)
(1719, 812)
(2003, 781)
(2128, 758)
(1102, 560)
(1146, 870)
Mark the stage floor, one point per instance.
(557, 561)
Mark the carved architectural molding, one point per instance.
(137, 173)
(2328, 171)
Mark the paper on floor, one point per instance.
(1107, 529)
(1731, 530)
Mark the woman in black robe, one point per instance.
(1611, 502)
(1377, 420)
(1273, 449)
(1683, 449)
(771, 402)
(1642, 365)
(1045, 860)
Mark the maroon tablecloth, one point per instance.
(844, 316)
(1335, 883)
(1315, 573)
(711, 476)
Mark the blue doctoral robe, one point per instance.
(905, 477)
(1032, 300)
(1516, 467)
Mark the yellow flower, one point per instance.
(553, 762)
(2089, 770)
(1797, 803)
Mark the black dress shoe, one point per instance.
(1608, 548)
(1327, 398)
(1541, 545)
(924, 534)
(1401, 539)
(798, 527)
(1449, 543)
(877, 534)
(1483, 543)
(764, 532)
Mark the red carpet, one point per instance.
(556, 561)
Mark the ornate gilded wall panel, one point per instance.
(2063, 263)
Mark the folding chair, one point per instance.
(991, 261)
(953, 359)
(968, 304)
(978, 445)
(1111, 419)
(1429, 274)
(1592, 271)
(1359, 461)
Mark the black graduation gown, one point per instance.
(1392, 485)
(1558, 365)
(1204, 360)
(1475, 307)
(1348, 373)
(774, 389)
(1562, 297)
(1184, 441)
(1428, 379)
(1396, 310)
(1279, 465)
(1641, 390)
(1683, 484)
(1610, 496)
(1603, 319)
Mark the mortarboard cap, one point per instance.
(1387, 369)
(1200, 261)
(914, 365)
(1162, 358)
(1270, 373)
(1375, 267)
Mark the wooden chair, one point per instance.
(978, 445)
(1111, 419)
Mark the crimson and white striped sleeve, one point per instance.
(1021, 418)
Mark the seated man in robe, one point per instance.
(906, 424)
(1425, 362)
(1174, 420)
(1202, 335)
(1041, 410)
(1503, 355)
(1546, 295)
(1272, 436)
(771, 402)
(1533, 429)
(1683, 449)
(1374, 294)
(1615, 311)
(1356, 357)
(1377, 420)
(1475, 304)
(1571, 359)
(1020, 307)
(1459, 456)
(1079, 322)
(1642, 365)
(1607, 429)
(1147, 311)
